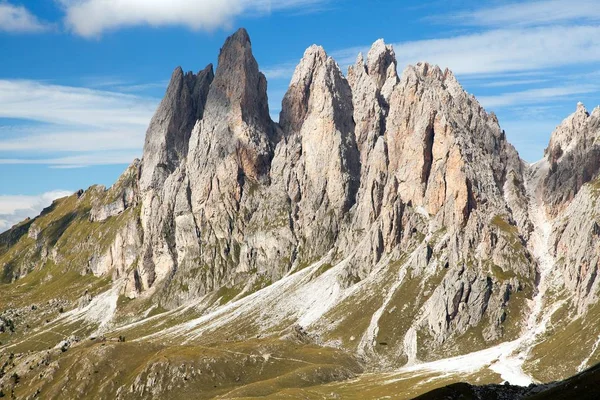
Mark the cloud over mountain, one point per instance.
(90, 18)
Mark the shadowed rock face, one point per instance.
(168, 135)
(237, 120)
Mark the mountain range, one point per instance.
(383, 238)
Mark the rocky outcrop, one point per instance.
(574, 243)
(360, 168)
(318, 160)
(569, 190)
(120, 196)
(168, 135)
(236, 127)
(574, 157)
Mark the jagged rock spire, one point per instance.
(236, 119)
(574, 157)
(568, 133)
(168, 135)
(238, 84)
(317, 108)
(381, 64)
(436, 231)
(372, 84)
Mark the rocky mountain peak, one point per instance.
(372, 84)
(239, 87)
(168, 135)
(385, 216)
(317, 88)
(381, 63)
(568, 133)
(574, 157)
(241, 36)
(433, 75)
(317, 114)
(236, 119)
(295, 102)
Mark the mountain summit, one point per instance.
(384, 224)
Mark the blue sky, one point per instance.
(80, 79)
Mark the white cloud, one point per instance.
(279, 71)
(91, 18)
(57, 104)
(81, 160)
(498, 51)
(17, 19)
(532, 13)
(14, 209)
(140, 87)
(66, 139)
(94, 126)
(535, 96)
(513, 82)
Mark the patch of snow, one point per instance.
(422, 211)
(146, 319)
(510, 365)
(507, 358)
(299, 296)
(467, 363)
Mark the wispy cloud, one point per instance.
(498, 51)
(17, 19)
(141, 87)
(81, 160)
(57, 104)
(91, 18)
(535, 96)
(81, 122)
(14, 209)
(279, 71)
(513, 82)
(120, 85)
(45, 139)
(533, 13)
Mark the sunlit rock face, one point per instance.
(366, 168)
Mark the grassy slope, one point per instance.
(291, 370)
(97, 369)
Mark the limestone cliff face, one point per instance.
(318, 162)
(570, 192)
(168, 135)
(364, 168)
(574, 157)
